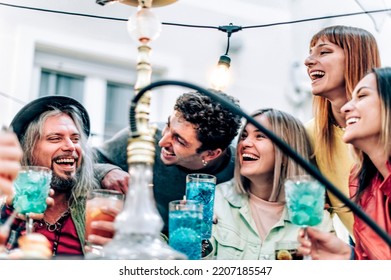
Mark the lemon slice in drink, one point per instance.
(284, 255)
(95, 213)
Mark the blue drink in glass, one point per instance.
(201, 187)
(305, 199)
(184, 227)
(31, 189)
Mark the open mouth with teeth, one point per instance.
(249, 157)
(65, 161)
(165, 152)
(316, 75)
(351, 121)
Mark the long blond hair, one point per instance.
(86, 179)
(292, 131)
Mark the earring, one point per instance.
(205, 163)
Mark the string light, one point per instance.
(221, 75)
(220, 78)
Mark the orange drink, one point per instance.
(95, 201)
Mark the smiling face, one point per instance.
(179, 143)
(362, 114)
(326, 69)
(59, 146)
(256, 152)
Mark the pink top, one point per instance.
(265, 214)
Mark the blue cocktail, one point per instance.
(31, 189)
(184, 227)
(201, 187)
(305, 198)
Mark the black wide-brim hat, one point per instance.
(35, 108)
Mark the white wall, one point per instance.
(262, 58)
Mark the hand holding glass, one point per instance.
(96, 200)
(305, 199)
(31, 190)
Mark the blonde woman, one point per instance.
(250, 208)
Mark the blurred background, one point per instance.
(82, 49)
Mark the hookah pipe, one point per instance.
(134, 133)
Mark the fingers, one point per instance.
(5, 186)
(117, 180)
(110, 210)
(50, 201)
(305, 243)
(10, 155)
(9, 168)
(101, 225)
(51, 192)
(98, 240)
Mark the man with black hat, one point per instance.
(53, 132)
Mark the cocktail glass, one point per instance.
(305, 199)
(96, 200)
(31, 190)
(184, 227)
(201, 187)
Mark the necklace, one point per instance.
(55, 228)
(57, 225)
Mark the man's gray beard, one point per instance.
(62, 185)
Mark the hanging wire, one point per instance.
(204, 26)
(7, 96)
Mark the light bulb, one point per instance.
(144, 26)
(221, 75)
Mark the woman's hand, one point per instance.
(322, 245)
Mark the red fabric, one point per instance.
(375, 202)
(68, 243)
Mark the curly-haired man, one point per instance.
(196, 139)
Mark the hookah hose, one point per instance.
(276, 140)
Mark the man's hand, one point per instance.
(38, 216)
(116, 179)
(107, 226)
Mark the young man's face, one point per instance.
(179, 143)
(59, 147)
